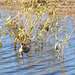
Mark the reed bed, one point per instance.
(35, 24)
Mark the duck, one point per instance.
(24, 49)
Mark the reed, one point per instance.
(35, 23)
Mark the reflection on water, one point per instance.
(41, 60)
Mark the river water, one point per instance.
(41, 60)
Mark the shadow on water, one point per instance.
(40, 60)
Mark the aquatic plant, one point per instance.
(37, 22)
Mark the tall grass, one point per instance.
(35, 24)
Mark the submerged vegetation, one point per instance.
(38, 23)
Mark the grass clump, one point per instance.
(35, 23)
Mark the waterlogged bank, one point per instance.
(66, 8)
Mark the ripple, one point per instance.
(40, 61)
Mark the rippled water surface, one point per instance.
(43, 62)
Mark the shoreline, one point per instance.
(67, 9)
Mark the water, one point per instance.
(41, 60)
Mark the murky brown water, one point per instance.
(41, 60)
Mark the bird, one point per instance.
(24, 49)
